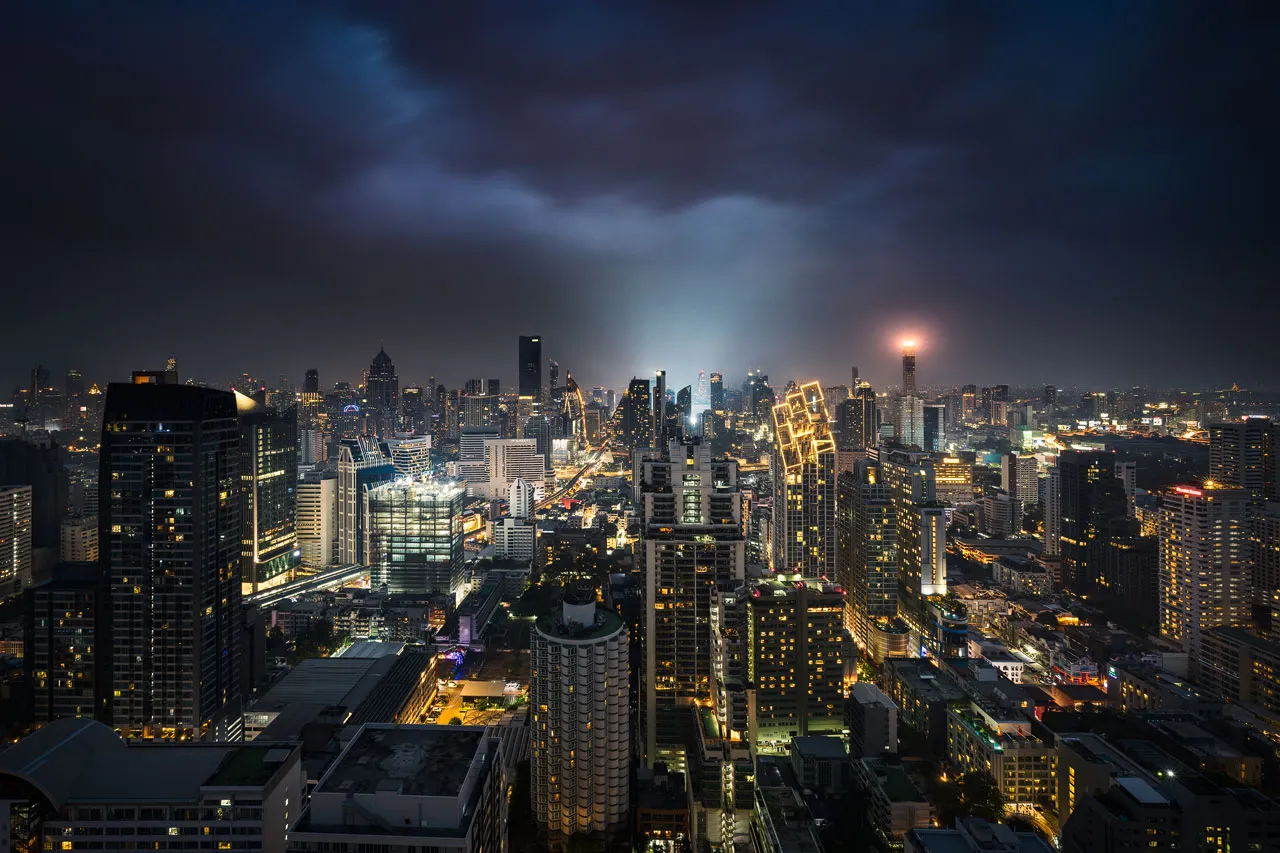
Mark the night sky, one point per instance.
(1069, 193)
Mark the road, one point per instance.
(568, 488)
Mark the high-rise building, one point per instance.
(935, 426)
(794, 638)
(922, 533)
(169, 535)
(1019, 477)
(40, 464)
(908, 424)
(15, 540)
(382, 391)
(804, 485)
(859, 419)
(411, 455)
(953, 478)
(868, 554)
(1245, 454)
(717, 392)
(80, 539)
(67, 643)
(909, 368)
(511, 459)
(691, 507)
(1204, 561)
(520, 499)
(414, 536)
(530, 367)
(1052, 539)
(635, 417)
(684, 414)
(318, 518)
(873, 722)
(311, 382)
(1082, 476)
(661, 412)
(363, 463)
(580, 756)
(269, 501)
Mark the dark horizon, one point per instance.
(1078, 194)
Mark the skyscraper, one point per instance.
(15, 540)
(414, 536)
(868, 555)
(922, 534)
(1053, 513)
(580, 756)
(382, 391)
(1204, 562)
(169, 535)
(530, 367)
(318, 518)
(860, 426)
(635, 416)
(660, 409)
(1081, 474)
(269, 502)
(692, 513)
(67, 644)
(1245, 454)
(935, 427)
(794, 637)
(908, 426)
(717, 392)
(362, 464)
(909, 367)
(1019, 476)
(804, 485)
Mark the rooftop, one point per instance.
(423, 761)
(606, 624)
(818, 746)
(249, 766)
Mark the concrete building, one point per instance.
(1205, 562)
(897, 803)
(411, 455)
(363, 463)
(82, 787)
(15, 540)
(79, 540)
(983, 737)
(974, 835)
(872, 720)
(803, 470)
(1019, 478)
(511, 459)
(1243, 454)
(268, 487)
(66, 643)
(318, 519)
(867, 560)
(521, 499)
(414, 536)
(1242, 669)
(922, 535)
(515, 539)
(953, 479)
(579, 700)
(795, 646)
(400, 789)
(1001, 515)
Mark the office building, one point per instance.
(40, 464)
(868, 555)
(269, 500)
(15, 540)
(1001, 515)
(909, 367)
(908, 423)
(635, 417)
(1083, 477)
(580, 718)
(363, 463)
(318, 519)
(794, 640)
(515, 539)
(859, 418)
(415, 536)
(402, 789)
(872, 720)
(691, 507)
(935, 427)
(1245, 454)
(922, 533)
(1020, 479)
(530, 367)
(521, 499)
(716, 399)
(953, 479)
(473, 461)
(77, 785)
(511, 459)
(80, 540)
(1127, 473)
(382, 395)
(803, 469)
(1204, 562)
(411, 455)
(67, 643)
(169, 536)
(897, 805)
(1052, 537)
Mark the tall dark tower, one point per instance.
(383, 393)
(717, 392)
(531, 366)
(909, 367)
(311, 385)
(169, 534)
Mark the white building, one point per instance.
(1205, 562)
(515, 539)
(1053, 513)
(473, 464)
(520, 499)
(317, 519)
(411, 455)
(1020, 478)
(404, 789)
(908, 424)
(578, 693)
(362, 464)
(15, 540)
(107, 794)
(511, 459)
(79, 540)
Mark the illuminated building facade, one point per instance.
(169, 536)
(804, 485)
(953, 479)
(1052, 537)
(415, 536)
(580, 718)
(716, 399)
(859, 418)
(382, 393)
(922, 536)
(1205, 562)
(868, 554)
(794, 637)
(363, 463)
(635, 418)
(1246, 454)
(693, 543)
(908, 424)
(318, 518)
(1082, 474)
(66, 643)
(15, 540)
(268, 483)
(411, 455)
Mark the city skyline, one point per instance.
(1073, 183)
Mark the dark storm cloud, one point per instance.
(1048, 193)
